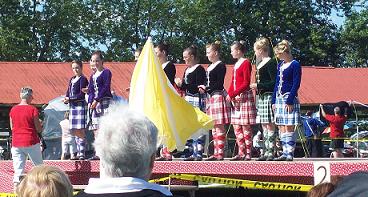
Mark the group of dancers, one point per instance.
(277, 84)
(98, 89)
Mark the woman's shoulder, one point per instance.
(246, 62)
(295, 63)
(170, 63)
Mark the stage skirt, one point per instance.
(197, 100)
(264, 110)
(77, 114)
(282, 117)
(218, 108)
(244, 111)
(100, 110)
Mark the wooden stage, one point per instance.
(299, 171)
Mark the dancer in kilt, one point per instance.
(243, 113)
(162, 51)
(265, 82)
(99, 91)
(194, 76)
(75, 97)
(284, 99)
(217, 106)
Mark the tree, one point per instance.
(42, 30)
(354, 37)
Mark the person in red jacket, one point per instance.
(337, 122)
(243, 114)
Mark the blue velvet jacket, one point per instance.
(288, 81)
(75, 92)
(103, 84)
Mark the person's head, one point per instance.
(77, 67)
(190, 55)
(126, 144)
(262, 48)
(96, 60)
(26, 93)
(283, 50)
(45, 181)
(238, 49)
(355, 184)
(162, 50)
(337, 111)
(321, 190)
(137, 53)
(213, 51)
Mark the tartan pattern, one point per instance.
(100, 110)
(282, 117)
(240, 141)
(269, 142)
(164, 152)
(218, 108)
(197, 100)
(244, 111)
(218, 143)
(264, 110)
(77, 115)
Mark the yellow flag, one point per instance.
(152, 93)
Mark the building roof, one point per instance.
(49, 80)
(328, 85)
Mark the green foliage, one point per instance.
(354, 39)
(43, 30)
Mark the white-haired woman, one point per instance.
(285, 99)
(25, 126)
(127, 160)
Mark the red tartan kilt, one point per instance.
(244, 111)
(218, 109)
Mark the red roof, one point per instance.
(328, 84)
(49, 80)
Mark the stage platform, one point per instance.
(300, 171)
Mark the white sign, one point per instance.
(321, 172)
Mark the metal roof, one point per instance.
(49, 80)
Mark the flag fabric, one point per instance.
(152, 93)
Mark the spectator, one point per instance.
(45, 181)
(337, 122)
(25, 126)
(353, 185)
(68, 144)
(321, 190)
(128, 157)
(313, 136)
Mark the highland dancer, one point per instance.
(162, 52)
(194, 76)
(265, 82)
(75, 97)
(284, 99)
(217, 106)
(99, 92)
(243, 114)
